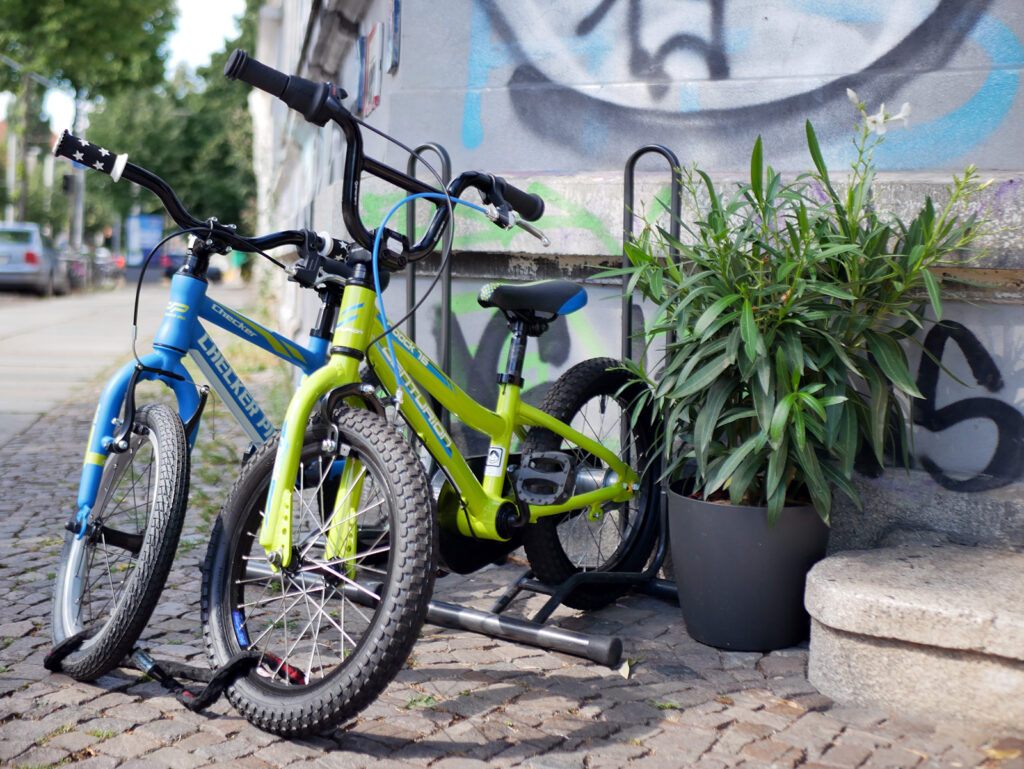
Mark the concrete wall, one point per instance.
(540, 86)
(558, 95)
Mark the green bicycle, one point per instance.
(323, 561)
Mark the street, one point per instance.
(461, 701)
(52, 349)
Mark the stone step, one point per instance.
(929, 631)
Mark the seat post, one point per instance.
(516, 355)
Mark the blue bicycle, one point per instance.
(133, 490)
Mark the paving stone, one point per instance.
(776, 753)
(125, 746)
(457, 762)
(137, 712)
(106, 726)
(345, 759)
(737, 734)
(845, 755)
(226, 749)
(893, 758)
(174, 757)
(613, 755)
(73, 742)
(40, 756)
(196, 741)
(557, 761)
(166, 730)
(284, 753)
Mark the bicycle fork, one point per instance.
(348, 348)
(109, 429)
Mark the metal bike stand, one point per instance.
(646, 580)
(604, 650)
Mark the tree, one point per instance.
(194, 131)
(94, 47)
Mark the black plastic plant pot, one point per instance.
(741, 581)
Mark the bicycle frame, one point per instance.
(357, 325)
(181, 333)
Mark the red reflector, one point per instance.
(31, 257)
(284, 670)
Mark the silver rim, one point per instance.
(307, 620)
(593, 544)
(97, 573)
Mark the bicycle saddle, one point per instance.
(557, 297)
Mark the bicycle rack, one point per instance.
(603, 649)
(445, 346)
(675, 210)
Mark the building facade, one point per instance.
(557, 96)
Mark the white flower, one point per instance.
(876, 123)
(853, 97)
(903, 114)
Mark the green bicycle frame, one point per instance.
(357, 326)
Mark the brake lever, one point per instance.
(522, 223)
(506, 218)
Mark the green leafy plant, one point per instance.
(776, 339)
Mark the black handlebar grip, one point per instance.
(241, 67)
(89, 155)
(529, 206)
(300, 94)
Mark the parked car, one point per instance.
(29, 260)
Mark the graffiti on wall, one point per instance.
(1006, 462)
(597, 77)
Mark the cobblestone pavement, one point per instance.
(462, 701)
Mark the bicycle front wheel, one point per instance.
(597, 399)
(334, 627)
(110, 578)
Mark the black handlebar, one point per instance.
(300, 94)
(529, 206)
(320, 102)
(97, 158)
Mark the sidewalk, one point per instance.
(462, 701)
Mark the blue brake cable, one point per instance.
(393, 360)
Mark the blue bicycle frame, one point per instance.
(180, 334)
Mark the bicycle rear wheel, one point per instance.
(597, 399)
(110, 578)
(333, 628)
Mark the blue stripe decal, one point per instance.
(349, 316)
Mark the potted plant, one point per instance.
(777, 358)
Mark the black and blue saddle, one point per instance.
(536, 304)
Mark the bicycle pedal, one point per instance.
(545, 478)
